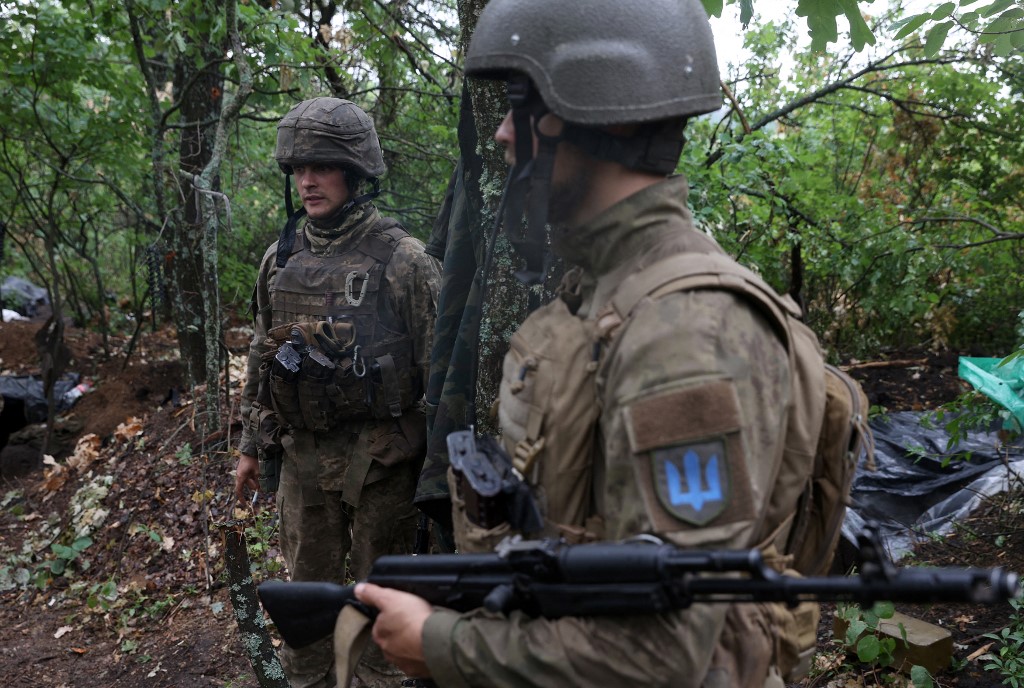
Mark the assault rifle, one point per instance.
(551, 579)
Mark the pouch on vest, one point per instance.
(347, 389)
(269, 450)
(284, 390)
(270, 459)
(844, 437)
(488, 486)
(470, 537)
(318, 412)
(384, 394)
(403, 439)
(548, 409)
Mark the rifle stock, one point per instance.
(551, 579)
(304, 612)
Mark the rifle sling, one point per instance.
(351, 635)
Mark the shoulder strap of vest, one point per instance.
(286, 243)
(380, 242)
(692, 271)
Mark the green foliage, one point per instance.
(820, 16)
(899, 181)
(1020, 339)
(873, 648)
(97, 93)
(999, 24)
(67, 96)
(67, 555)
(261, 539)
(101, 595)
(970, 412)
(973, 411)
(147, 530)
(184, 454)
(1009, 659)
(862, 625)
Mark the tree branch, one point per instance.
(874, 67)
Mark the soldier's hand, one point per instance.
(398, 629)
(247, 474)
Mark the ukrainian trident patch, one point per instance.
(692, 481)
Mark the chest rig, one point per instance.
(549, 409)
(341, 352)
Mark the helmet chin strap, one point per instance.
(529, 182)
(655, 149)
(286, 241)
(338, 216)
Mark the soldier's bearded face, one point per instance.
(570, 186)
(322, 188)
(571, 176)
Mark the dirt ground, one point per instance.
(160, 499)
(145, 603)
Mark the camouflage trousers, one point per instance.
(319, 532)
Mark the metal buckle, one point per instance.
(350, 298)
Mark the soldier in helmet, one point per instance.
(631, 403)
(344, 307)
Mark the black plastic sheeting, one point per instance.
(23, 296)
(29, 390)
(912, 496)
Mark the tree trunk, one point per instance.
(506, 304)
(198, 87)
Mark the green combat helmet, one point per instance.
(594, 64)
(327, 131)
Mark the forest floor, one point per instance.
(112, 558)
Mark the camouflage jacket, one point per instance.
(698, 374)
(410, 285)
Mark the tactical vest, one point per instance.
(548, 410)
(374, 376)
(550, 404)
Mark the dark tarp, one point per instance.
(28, 389)
(22, 296)
(919, 489)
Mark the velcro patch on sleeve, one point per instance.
(683, 415)
(691, 461)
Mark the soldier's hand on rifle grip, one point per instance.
(247, 473)
(398, 629)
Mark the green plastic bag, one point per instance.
(1003, 384)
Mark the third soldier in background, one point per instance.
(631, 403)
(344, 309)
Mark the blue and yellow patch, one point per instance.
(690, 453)
(692, 481)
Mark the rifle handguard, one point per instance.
(551, 579)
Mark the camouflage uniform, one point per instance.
(691, 372)
(347, 492)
